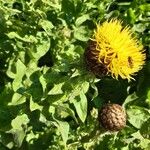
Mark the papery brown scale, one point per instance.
(92, 62)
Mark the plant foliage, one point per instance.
(48, 99)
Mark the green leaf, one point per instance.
(137, 116)
(65, 108)
(19, 121)
(29, 39)
(17, 99)
(82, 19)
(34, 106)
(41, 47)
(145, 7)
(80, 103)
(46, 25)
(129, 99)
(131, 15)
(145, 144)
(145, 129)
(43, 82)
(81, 33)
(148, 98)
(56, 89)
(63, 128)
(20, 72)
(17, 128)
(85, 86)
(94, 87)
(19, 136)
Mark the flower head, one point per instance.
(116, 51)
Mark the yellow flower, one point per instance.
(117, 50)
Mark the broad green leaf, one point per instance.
(125, 148)
(145, 144)
(80, 103)
(137, 116)
(94, 87)
(57, 89)
(145, 129)
(18, 130)
(19, 121)
(34, 105)
(63, 128)
(145, 7)
(56, 98)
(26, 38)
(17, 99)
(41, 47)
(129, 99)
(139, 27)
(85, 86)
(131, 15)
(81, 33)
(148, 98)
(137, 135)
(20, 72)
(55, 4)
(78, 85)
(9, 72)
(82, 19)
(43, 82)
(35, 89)
(65, 108)
(19, 136)
(46, 25)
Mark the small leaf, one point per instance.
(82, 19)
(42, 46)
(19, 136)
(145, 144)
(19, 121)
(17, 128)
(80, 103)
(34, 106)
(56, 89)
(85, 86)
(145, 129)
(17, 99)
(63, 128)
(46, 25)
(129, 99)
(94, 87)
(43, 82)
(20, 71)
(29, 39)
(68, 110)
(81, 33)
(137, 116)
